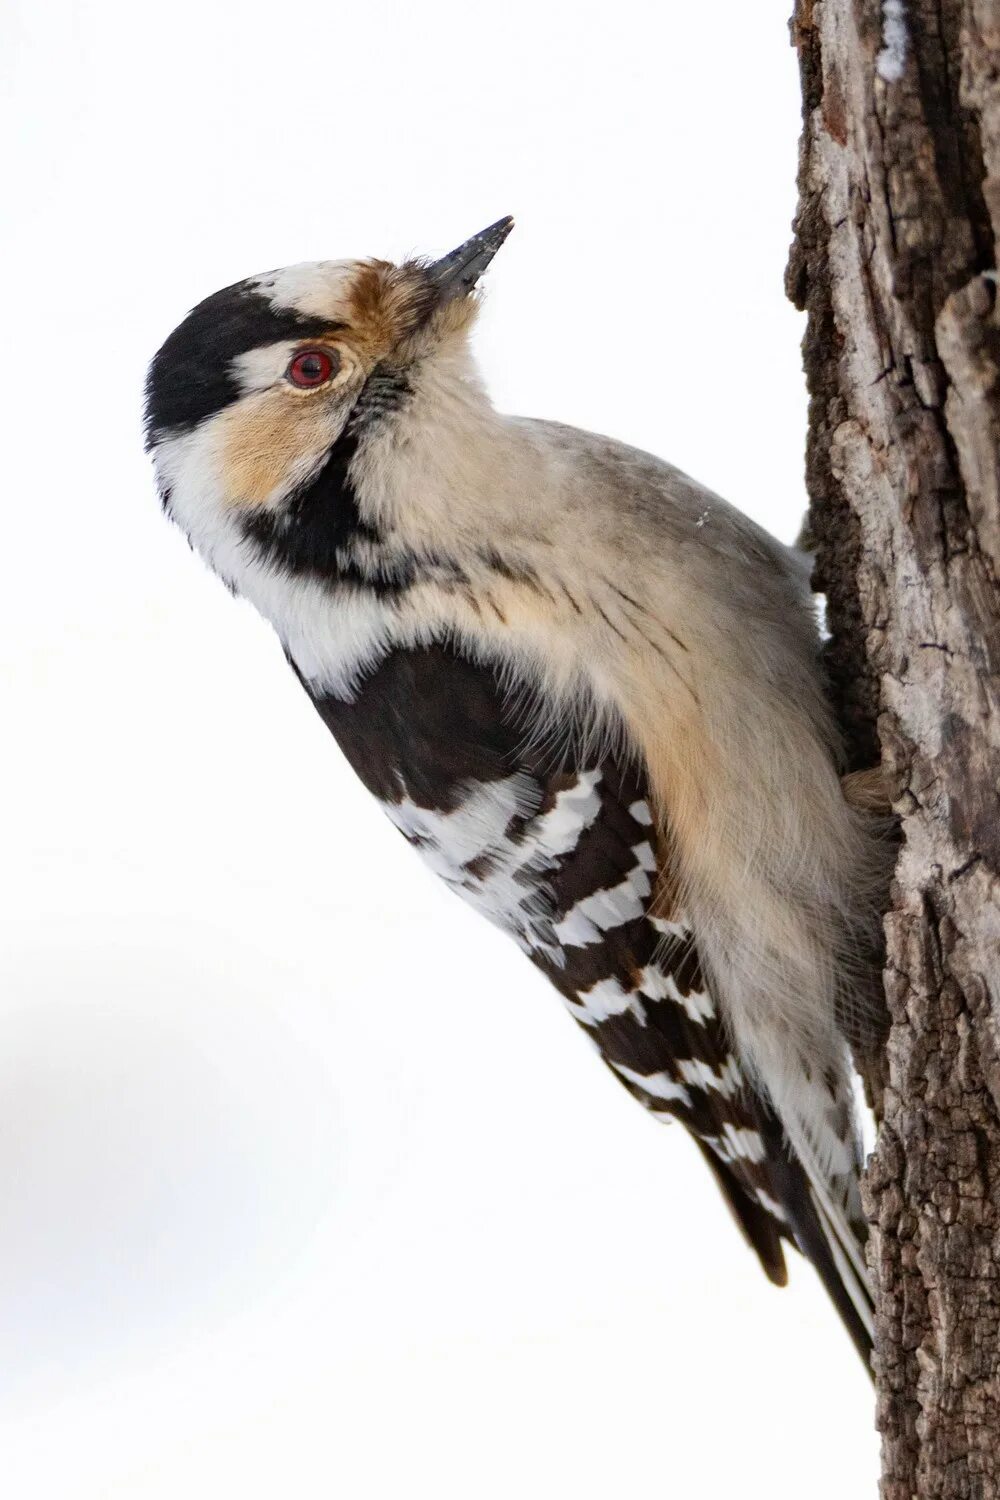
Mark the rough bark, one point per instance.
(893, 261)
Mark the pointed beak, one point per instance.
(456, 274)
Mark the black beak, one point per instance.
(456, 274)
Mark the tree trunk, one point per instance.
(893, 261)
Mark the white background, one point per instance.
(307, 1185)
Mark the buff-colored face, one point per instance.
(258, 383)
(297, 395)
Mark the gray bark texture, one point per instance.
(893, 259)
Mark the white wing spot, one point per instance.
(700, 1075)
(645, 856)
(573, 811)
(588, 919)
(657, 984)
(671, 929)
(603, 1000)
(738, 1145)
(657, 1085)
(773, 1207)
(477, 831)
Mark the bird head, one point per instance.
(265, 391)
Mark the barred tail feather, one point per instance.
(829, 1234)
(843, 1239)
(827, 1240)
(854, 1279)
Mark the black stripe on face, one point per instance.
(320, 532)
(313, 535)
(191, 376)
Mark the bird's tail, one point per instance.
(821, 1196)
(833, 1239)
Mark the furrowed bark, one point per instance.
(893, 261)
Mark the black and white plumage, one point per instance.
(583, 687)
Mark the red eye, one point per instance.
(312, 367)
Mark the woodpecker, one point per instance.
(584, 687)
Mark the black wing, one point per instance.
(562, 850)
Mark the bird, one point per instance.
(586, 689)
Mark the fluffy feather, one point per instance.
(641, 610)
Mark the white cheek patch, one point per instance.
(332, 640)
(188, 470)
